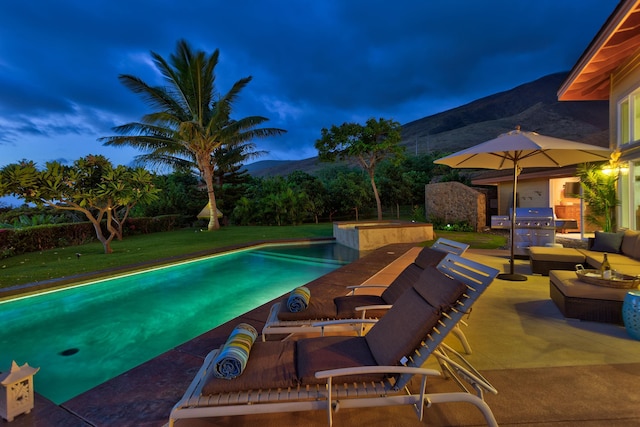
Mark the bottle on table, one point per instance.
(605, 268)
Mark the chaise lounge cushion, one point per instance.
(404, 281)
(399, 332)
(429, 257)
(442, 291)
(320, 307)
(277, 355)
(333, 352)
(346, 305)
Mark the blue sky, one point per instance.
(314, 63)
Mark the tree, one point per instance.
(179, 194)
(230, 179)
(599, 191)
(192, 120)
(315, 194)
(395, 185)
(347, 190)
(368, 145)
(91, 186)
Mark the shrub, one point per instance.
(441, 224)
(42, 237)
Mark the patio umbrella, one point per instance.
(517, 150)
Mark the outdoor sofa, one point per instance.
(622, 249)
(576, 298)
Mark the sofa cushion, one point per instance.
(543, 253)
(636, 249)
(620, 263)
(629, 241)
(607, 242)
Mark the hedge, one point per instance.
(42, 237)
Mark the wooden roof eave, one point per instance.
(615, 42)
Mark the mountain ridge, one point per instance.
(533, 106)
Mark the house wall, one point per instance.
(531, 194)
(624, 81)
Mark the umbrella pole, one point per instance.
(512, 276)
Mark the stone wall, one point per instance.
(454, 201)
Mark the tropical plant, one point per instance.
(191, 120)
(92, 186)
(347, 190)
(180, 194)
(315, 194)
(599, 191)
(368, 144)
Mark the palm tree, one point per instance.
(191, 119)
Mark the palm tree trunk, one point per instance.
(214, 224)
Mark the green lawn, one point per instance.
(135, 250)
(475, 240)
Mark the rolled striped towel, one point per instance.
(232, 358)
(298, 299)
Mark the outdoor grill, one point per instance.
(533, 227)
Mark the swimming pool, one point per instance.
(83, 336)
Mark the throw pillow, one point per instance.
(607, 242)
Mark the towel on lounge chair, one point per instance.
(298, 299)
(233, 357)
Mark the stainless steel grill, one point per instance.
(500, 222)
(533, 227)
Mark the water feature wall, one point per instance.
(369, 235)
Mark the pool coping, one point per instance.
(59, 283)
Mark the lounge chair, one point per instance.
(450, 246)
(331, 372)
(358, 304)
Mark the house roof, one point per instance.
(617, 41)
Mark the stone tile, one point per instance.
(140, 397)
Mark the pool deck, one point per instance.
(549, 370)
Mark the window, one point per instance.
(636, 117)
(623, 120)
(629, 119)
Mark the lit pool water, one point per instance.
(83, 336)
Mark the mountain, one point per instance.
(533, 106)
(264, 168)
(257, 167)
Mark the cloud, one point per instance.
(313, 63)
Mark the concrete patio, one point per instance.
(548, 370)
